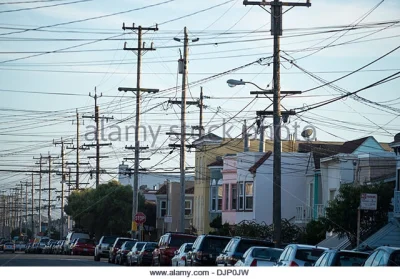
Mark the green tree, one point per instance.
(105, 210)
(219, 228)
(314, 232)
(341, 214)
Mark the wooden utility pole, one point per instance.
(63, 180)
(183, 69)
(276, 31)
(32, 208)
(140, 49)
(49, 158)
(40, 163)
(97, 118)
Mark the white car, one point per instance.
(300, 255)
(260, 256)
(9, 247)
(132, 256)
(180, 255)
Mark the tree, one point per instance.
(314, 232)
(219, 228)
(15, 233)
(341, 214)
(104, 210)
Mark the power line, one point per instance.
(47, 6)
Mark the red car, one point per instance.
(83, 246)
(168, 244)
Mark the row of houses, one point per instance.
(235, 181)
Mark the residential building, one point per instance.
(250, 196)
(208, 149)
(169, 207)
(360, 161)
(216, 188)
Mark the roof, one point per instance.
(350, 146)
(388, 235)
(260, 161)
(335, 242)
(163, 190)
(217, 163)
(319, 151)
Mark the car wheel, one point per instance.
(97, 258)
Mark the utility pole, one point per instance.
(63, 180)
(276, 31)
(183, 69)
(49, 158)
(97, 144)
(40, 163)
(77, 148)
(141, 49)
(32, 209)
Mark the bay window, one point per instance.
(233, 196)
(226, 196)
(249, 195)
(163, 208)
(188, 207)
(216, 197)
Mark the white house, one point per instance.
(255, 186)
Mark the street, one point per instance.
(44, 260)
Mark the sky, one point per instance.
(46, 74)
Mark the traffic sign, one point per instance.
(368, 201)
(134, 226)
(140, 218)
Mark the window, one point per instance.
(163, 208)
(219, 205)
(188, 208)
(332, 194)
(319, 262)
(324, 261)
(233, 196)
(241, 196)
(226, 196)
(249, 195)
(371, 258)
(378, 258)
(213, 197)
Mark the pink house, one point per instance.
(229, 182)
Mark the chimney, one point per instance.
(245, 136)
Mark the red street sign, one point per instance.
(140, 218)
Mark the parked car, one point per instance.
(102, 249)
(121, 256)
(335, 257)
(59, 247)
(48, 247)
(2, 242)
(83, 246)
(206, 249)
(69, 239)
(236, 247)
(145, 257)
(168, 244)
(180, 255)
(133, 254)
(384, 256)
(20, 246)
(9, 247)
(28, 247)
(300, 255)
(69, 247)
(260, 256)
(41, 244)
(116, 246)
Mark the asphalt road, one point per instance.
(44, 260)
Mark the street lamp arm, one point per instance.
(249, 82)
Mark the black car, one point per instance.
(120, 257)
(335, 257)
(145, 257)
(205, 250)
(235, 249)
(116, 246)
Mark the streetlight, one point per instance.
(276, 183)
(234, 82)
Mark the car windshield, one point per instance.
(265, 253)
(245, 244)
(309, 255)
(150, 245)
(214, 245)
(351, 259)
(139, 245)
(109, 239)
(129, 244)
(121, 241)
(85, 241)
(178, 240)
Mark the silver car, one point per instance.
(180, 255)
(260, 256)
(300, 255)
